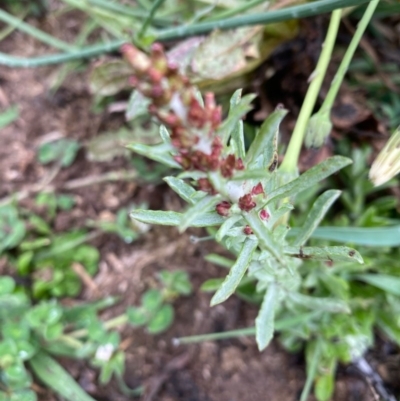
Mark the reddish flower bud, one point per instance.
(247, 230)
(239, 164)
(227, 166)
(264, 215)
(205, 185)
(258, 189)
(246, 203)
(223, 208)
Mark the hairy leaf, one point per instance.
(327, 253)
(316, 214)
(174, 218)
(236, 273)
(310, 178)
(265, 318)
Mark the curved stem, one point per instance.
(290, 161)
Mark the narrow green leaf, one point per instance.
(174, 218)
(327, 253)
(202, 207)
(162, 320)
(310, 177)
(57, 378)
(371, 236)
(212, 284)
(318, 303)
(228, 224)
(236, 273)
(219, 260)
(179, 186)
(263, 234)
(317, 213)
(237, 140)
(385, 282)
(262, 150)
(237, 111)
(8, 116)
(137, 106)
(265, 318)
(164, 134)
(160, 153)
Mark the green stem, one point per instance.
(238, 10)
(301, 11)
(109, 324)
(126, 10)
(311, 371)
(344, 65)
(34, 32)
(157, 4)
(290, 162)
(248, 331)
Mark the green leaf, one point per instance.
(197, 211)
(212, 284)
(136, 316)
(226, 226)
(185, 191)
(16, 376)
(12, 228)
(327, 253)
(237, 135)
(219, 260)
(324, 386)
(161, 153)
(109, 77)
(162, 320)
(57, 378)
(309, 178)
(264, 147)
(236, 272)
(63, 151)
(174, 218)
(8, 116)
(318, 303)
(263, 234)
(7, 285)
(137, 106)
(390, 284)
(152, 300)
(22, 395)
(238, 109)
(180, 283)
(265, 318)
(370, 236)
(316, 214)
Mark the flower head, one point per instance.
(387, 163)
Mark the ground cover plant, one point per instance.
(318, 287)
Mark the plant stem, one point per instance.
(126, 10)
(290, 161)
(344, 65)
(34, 32)
(150, 17)
(301, 11)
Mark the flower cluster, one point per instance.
(193, 127)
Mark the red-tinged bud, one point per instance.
(246, 203)
(157, 49)
(239, 164)
(264, 215)
(247, 230)
(223, 208)
(134, 81)
(205, 185)
(227, 166)
(258, 189)
(157, 91)
(138, 60)
(329, 263)
(155, 75)
(196, 114)
(216, 117)
(209, 101)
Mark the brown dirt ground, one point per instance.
(229, 370)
